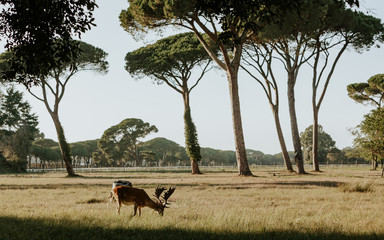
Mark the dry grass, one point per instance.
(274, 205)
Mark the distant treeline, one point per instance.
(160, 152)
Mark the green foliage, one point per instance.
(83, 150)
(166, 152)
(191, 142)
(216, 157)
(14, 112)
(18, 128)
(371, 92)
(369, 135)
(89, 58)
(119, 142)
(326, 144)
(47, 150)
(167, 59)
(32, 28)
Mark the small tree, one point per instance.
(171, 61)
(120, 142)
(55, 82)
(18, 128)
(47, 150)
(370, 136)
(166, 151)
(326, 144)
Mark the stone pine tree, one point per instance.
(120, 142)
(171, 61)
(53, 86)
(369, 133)
(370, 92)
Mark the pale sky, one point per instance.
(93, 103)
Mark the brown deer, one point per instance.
(139, 198)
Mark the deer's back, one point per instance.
(130, 195)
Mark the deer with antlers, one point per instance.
(139, 198)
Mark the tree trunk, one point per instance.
(284, 151)
(195, 167)
(64, 146)
(294, 128)
(241, 155)
(137, 159)
(191, 140)
(315, 140)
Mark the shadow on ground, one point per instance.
(15, 229)
(248, 185)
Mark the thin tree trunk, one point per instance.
(64, 146)
(294, 128)
(241, 155)
(284, 151)
(315, 140)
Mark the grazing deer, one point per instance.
(139, 198)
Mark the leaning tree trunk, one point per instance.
(191, 140)
(315, 140)
(294, 128)
(284, 151)
(64, 146)
(241, 155)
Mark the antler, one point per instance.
(167, 194)
(158, 191)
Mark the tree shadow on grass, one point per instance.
(15, 229)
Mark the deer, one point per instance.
(139, 198)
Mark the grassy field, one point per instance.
(339, 203)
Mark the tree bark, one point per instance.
(294, 128)
(64, 146)
(315, 140)
(137, 158)
(195, 167)
(241, 155)
(284, 151)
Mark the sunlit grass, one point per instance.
(274, 205)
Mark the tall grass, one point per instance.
(212, 206)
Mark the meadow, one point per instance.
(338, 203)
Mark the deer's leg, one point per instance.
(139, 211)
(134, 209)
(118, 206)
(111, 197)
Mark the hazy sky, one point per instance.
(93, 103)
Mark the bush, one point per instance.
(357, 187)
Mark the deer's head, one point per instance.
(162, 203)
